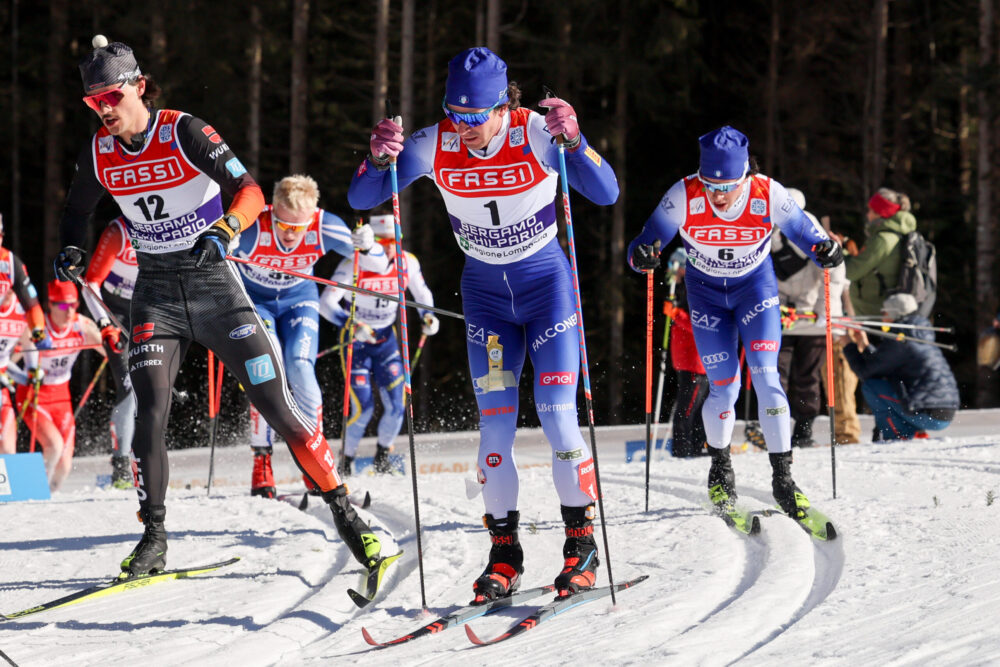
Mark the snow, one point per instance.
(913, 578)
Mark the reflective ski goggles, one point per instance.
(65, 305)
(109, 97)
(721, 187)
(286, 226)
(474, 119)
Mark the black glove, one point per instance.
(211, 247)
(70, 263)
(646, 257)
(828, 254)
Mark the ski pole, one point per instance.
(329, 350)
(90, 388)
(829, 382)
(583, 355)
(351, 324)
(649, 377)
(663, 365)
(875, 321)
(416, 358)
(49, 351)
(89, 291)
(350, 288)
(951, 347)
(24, 406)
(34, 414)
(405, 345)
(214, 404)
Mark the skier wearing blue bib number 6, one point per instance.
(725, 214)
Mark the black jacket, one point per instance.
(918, 370)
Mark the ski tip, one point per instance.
(473, 637)
(831, 532)
(367, 501)
(368, 637)
(360, 600)
(304, 503)
(755, 525)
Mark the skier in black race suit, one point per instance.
(165, 170)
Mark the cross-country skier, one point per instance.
(496, 166)
(44, 398)
(294, 233)
(376, 357)
(19, 310)
(725, 214)
(166, 170)
(111, 273)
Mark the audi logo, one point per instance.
(716, 358)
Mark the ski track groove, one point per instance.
(828, 564)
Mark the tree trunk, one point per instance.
(381, 75)
(425, 242)
(157, 40)
(874, 167)
(299, 87)
(985, 252)
(13, 222)
(55, 122)
(255, 53)
(616, 258)
(770, 132)
(493, 25)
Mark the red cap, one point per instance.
(882, 206)
(61, 291)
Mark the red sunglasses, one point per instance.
(65, 305)
(109, 97)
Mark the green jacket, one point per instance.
(875, 270)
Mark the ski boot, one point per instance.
(150, 554)
(503, 572)
(579, 550)
(262, 482)
(357, 535)
(790, 497)
(121, 472)
(344, 465)
(802, 434)
(721, 480)
(381, 462)
(754, 435)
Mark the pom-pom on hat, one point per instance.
(899, 305)
(384, 226)
(477, 78)
(107, 65)
(725, 154)
(62, 291)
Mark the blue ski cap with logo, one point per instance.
(725, 154)
(477, 79)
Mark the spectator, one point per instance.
(907, 383)
(875, 270)
(803, 339)
(692, 383)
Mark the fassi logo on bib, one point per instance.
(510, 178)
(155, 172)
(727, 236)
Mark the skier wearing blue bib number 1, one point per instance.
(725, 214)
(496, 165)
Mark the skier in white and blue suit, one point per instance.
(725, 214)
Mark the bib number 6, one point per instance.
(726, 253)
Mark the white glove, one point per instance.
(363, 333)
(363, 238)
(36, 375)
(431, 325)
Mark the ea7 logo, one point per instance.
(764, 346)
(142, 332)
(718, 235)
(704, 321)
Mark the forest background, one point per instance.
(837, 99)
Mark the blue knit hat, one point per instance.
(725, 154)
(477, 78)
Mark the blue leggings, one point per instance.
(379, 362)
(529, 307)
(723, 311)
(293, 320)
(892, 420)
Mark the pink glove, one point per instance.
(387, 139)
(561, 119)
